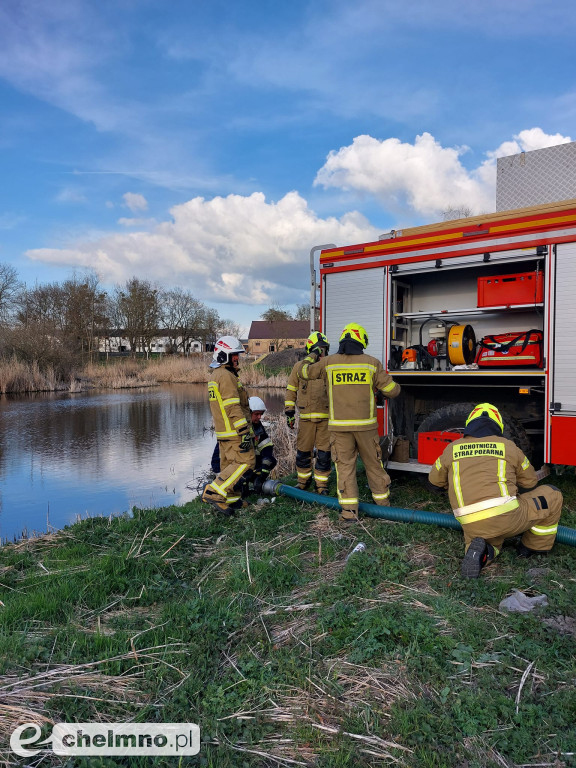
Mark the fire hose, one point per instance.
(396, 514)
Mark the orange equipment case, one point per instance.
(506, 290)
(431, 445)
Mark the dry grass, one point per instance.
(17, 376)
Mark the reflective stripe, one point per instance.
(480, 505)
(389, 387)
(313, 416)
(265, 443)
(240, 423)
(351, 422)
(502, 477)
(289, 403)
(213, 386)
(291, 388)
(526, 463)
(539, 530)
(304, 475)
(457, 486)
(347, 501)
(438, 464)
(381, 495)
(231, 401)
(230, 480)
(224, 435)
(324, 478)
(486, 513)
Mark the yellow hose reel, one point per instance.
(461, 345)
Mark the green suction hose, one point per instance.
(397, 514)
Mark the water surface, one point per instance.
(64, 456)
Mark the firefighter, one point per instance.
(352, 378)
(263, 446)
(231, 414)
(312, 401)
(482, 472)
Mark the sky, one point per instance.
(211, 145)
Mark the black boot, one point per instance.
(478, 554)
(523, 551)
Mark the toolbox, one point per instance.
(521, 288)
(431, 444)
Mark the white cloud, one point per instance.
(228, 249)
(424, 178)
(135, 202)
(70, 195)
(124, 222)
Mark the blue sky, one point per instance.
(211, 145)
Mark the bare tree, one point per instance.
(229, 328)
(137, 313)
(453, 212)
(276, 312)
(10, 288)
(183, 318)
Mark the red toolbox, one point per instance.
(431, 445)
(521, 288)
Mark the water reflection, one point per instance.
(64, 455)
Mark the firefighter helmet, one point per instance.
(225, 347)
(356, 333)
(256, 404)
(317, 340)
(486, 409)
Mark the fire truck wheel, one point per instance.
(453, 417)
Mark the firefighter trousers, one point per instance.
(313, 434)
(345, 447)
(235, 466)
(536, 518)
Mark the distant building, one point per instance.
(265, 337)
(116, 343)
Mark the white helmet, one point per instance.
(224, 347)
(256, 404)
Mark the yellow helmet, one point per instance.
(356, 333)
(486, 409)
(317, 340)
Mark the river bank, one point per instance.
(17, 377)
(284, 653)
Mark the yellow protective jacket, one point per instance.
(310, 396)
(352, 381)
(228, 404)
(482, 475)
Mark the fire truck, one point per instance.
(481, 309)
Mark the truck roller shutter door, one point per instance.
(355, 297)
(564, 332)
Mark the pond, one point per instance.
(69, 456)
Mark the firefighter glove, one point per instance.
(247, 441)
(291, 418)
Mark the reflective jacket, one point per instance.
(228, 404)
(264, 448)
(310, 396)
(482, 475)
(352, 381)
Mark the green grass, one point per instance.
(257, 629)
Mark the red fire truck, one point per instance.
(475, 310)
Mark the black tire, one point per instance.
(453, 417)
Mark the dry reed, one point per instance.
(18, 376)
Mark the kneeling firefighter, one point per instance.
(352, 379)
(312, 401)
(263, 446)
(232, 422)
(483, 472)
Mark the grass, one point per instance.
(22, 377)
(259, 630)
